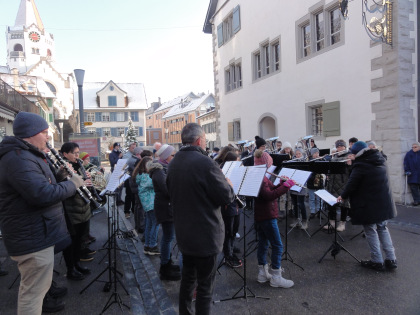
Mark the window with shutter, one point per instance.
(98, 116)
(141, 131)
(99, 132)
(230, 131)
(114, 132)
(236, 21)
(331, 119)
(220, 34)
(113, 116)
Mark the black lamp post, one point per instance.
(80, 75)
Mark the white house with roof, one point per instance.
(297, 68)
(109, 106)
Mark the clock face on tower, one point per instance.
(34, 36)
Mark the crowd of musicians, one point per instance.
(46, 203)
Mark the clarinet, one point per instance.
(84, 175)
(63, 163)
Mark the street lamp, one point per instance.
(80, 75)
(61, 124)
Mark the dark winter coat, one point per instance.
(369, 190)
(77, 210)
(197, 189)
(163, 209)
(113, 157)
(337, 182)
(31, 209)
(266, 207)
(412, 165)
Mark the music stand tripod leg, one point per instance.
(286, 249)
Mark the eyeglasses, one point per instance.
(172, 155)
(76, 152)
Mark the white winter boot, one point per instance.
(341, 226)
(277, 281)
(263, 274)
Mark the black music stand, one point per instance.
(244, 287)
(327, 167)
(286, 256)
(278, 159)
(249, 160)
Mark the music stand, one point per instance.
(327, 167)
(244, 288)
(113, 278)
(278, 159)
(249, 160)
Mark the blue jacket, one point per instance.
(113, 157)
(31, 209)
(412, 165)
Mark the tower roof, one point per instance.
(28, 14)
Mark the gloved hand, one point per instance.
(62, 174)
(408, 173)
(289, 183)
(77, 180)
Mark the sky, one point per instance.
(159, 43)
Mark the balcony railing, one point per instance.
(18, 54)
(14, 101)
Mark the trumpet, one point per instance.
(285, 179)
(60, 162)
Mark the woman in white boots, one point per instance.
(265, 216)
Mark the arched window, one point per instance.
(18, 47)
(52, 87)
(267, 127)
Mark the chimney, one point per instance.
(15, 74)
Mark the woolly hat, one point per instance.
(259, 142)
(165, 151)
(287, 145)
(314, 150)
(300, 150)
(262, 158)
(27, 125)
(216, 149)
(84, 155)
(356, 147)
(137, 150)
(340, 143)
(371, 143)
(115, 144)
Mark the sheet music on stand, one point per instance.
(326, 196)
(247, 180)
(300, 177)
(229, 166)
(117, 177)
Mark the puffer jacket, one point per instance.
(163, 208)
(369, 190)
(146, 192)
(266, 207)
(77, 210)
(31, 209)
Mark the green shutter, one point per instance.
(230, 131)
(50, 102)
(51, 117)
(331, 119)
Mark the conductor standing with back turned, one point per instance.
(197, 189)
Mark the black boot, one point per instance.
(173, 266)
(81, 269)
(73, 274)
(167, 273)
(55, 291)
(51, 305)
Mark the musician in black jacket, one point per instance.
(31, 210)
(371, 203)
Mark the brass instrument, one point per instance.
(272, 143)
(97, 177)
(91, 189)
(303, 143)
(82, 191)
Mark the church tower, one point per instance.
(27, 41)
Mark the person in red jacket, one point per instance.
(265, 216)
